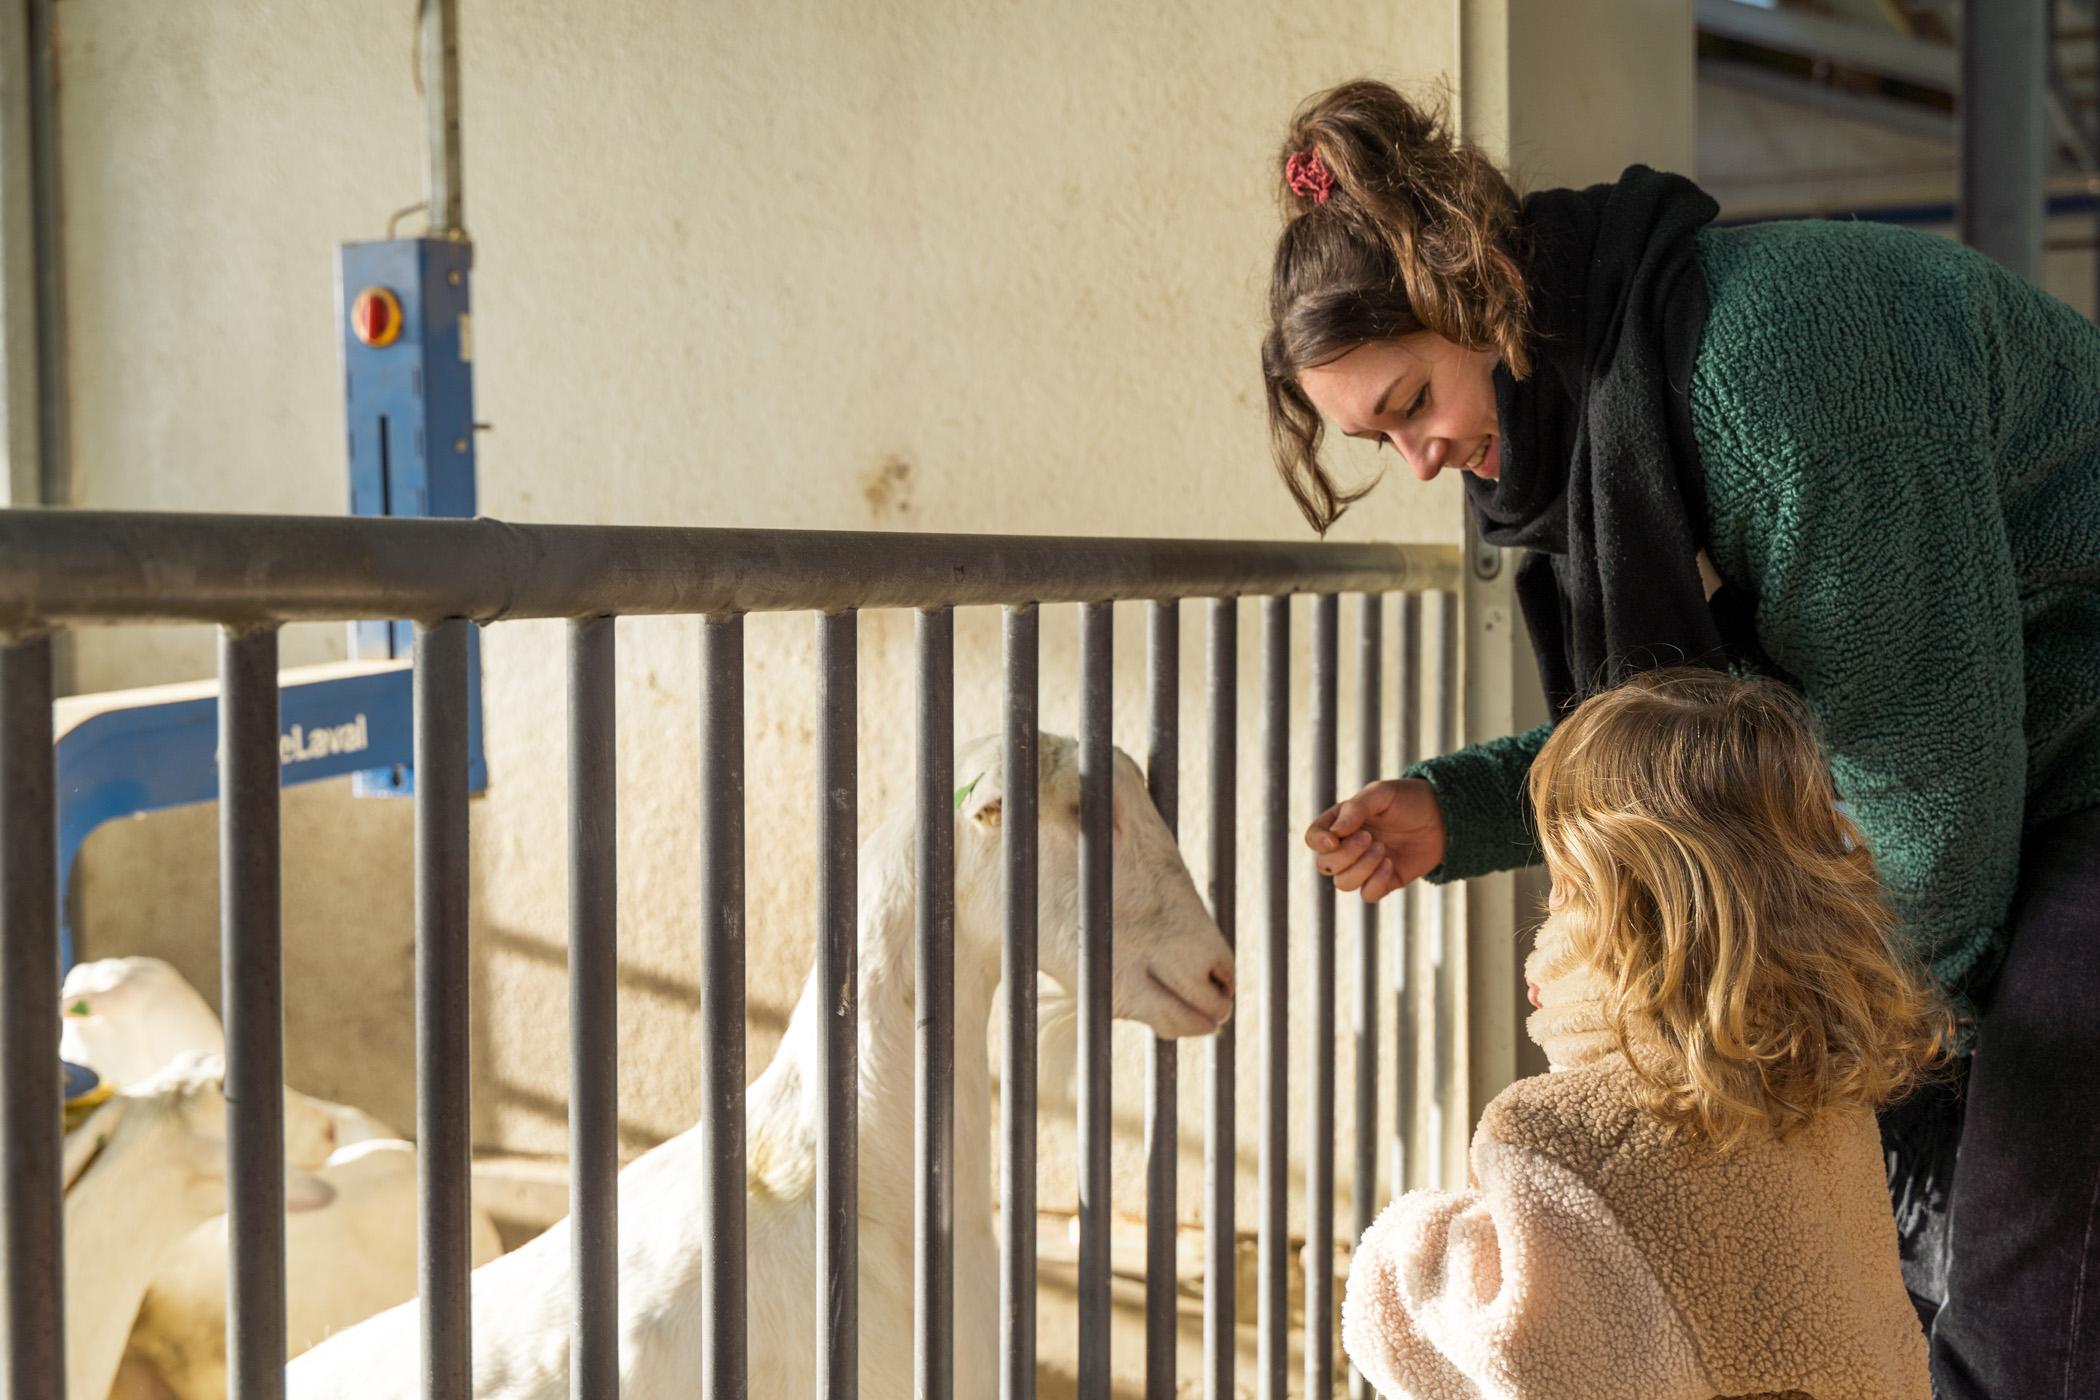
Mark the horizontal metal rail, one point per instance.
(251, 573)
(75, 567)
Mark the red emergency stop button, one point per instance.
(375, 317)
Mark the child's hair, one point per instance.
(1704, 871)
(1411, 229)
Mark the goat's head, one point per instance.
(1173, 969)
(179, 1117)
(126, 1018)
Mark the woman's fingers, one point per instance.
(1319, 836)
(1345, 854)
(1362, 869)
(1343, 820)
(1382, 882)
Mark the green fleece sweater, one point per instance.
(1901, 443)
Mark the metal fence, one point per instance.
(250, 574)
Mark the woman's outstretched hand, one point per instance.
(1387, 836)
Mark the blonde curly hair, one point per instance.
(1703, 870)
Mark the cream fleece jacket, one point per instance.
(1592, 1258)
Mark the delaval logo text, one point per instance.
(302, 745)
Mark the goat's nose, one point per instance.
(1221, 978)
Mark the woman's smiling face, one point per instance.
(1430, 398)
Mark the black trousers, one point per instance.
(1996, 1181)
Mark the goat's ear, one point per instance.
(303, 1191)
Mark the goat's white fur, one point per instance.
(347, 1261)
(1173, 970)
(145, 1168)
(129, 1018)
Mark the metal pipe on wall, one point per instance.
(2004, 74)
(439, 22)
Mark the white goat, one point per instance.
(351, 1259)
(1172, 970)
(146, 1167)
(129, 1018)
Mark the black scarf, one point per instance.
(1600, 481)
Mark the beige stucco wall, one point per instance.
(949, 267)
(955, 267)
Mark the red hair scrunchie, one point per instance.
(1308, 176)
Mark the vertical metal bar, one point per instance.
(1370, 716)
(2004, 72)
(1444, 1029)
(934, 1220)
(838, 1030)
(440, 62)
(1096, 978)
(1274, 1262)
(1162, 1062)
(1320, 1035)
(442, 1114)
(1221, 1135)
(1407, 696)
(594, 1015)
(1017, 1075)
(47, 210)
(723, 1338)
(30, 1101)
(251, 993)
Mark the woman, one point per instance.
(1859, 459)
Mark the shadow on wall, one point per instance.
(643, 993)
(150, 886)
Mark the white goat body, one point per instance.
(144, 1169)
(1173, 970)
(347, 1261)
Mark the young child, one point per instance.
(1693, 1204)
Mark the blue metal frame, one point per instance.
(410, 416)
(410, 409)
(148, 757)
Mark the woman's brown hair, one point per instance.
(1704, 872)
(1418, 232)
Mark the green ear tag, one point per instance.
(962, 793)
(78, 1008)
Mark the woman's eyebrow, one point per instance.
(1372, 434)
(1387, 397)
